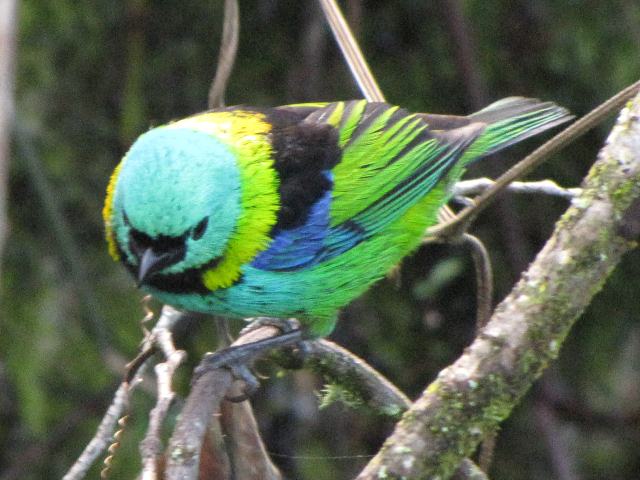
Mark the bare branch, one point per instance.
(207, 392)
(8, 22)
(466, 188)
(484, 279)
(351, 51)
(335, 363)
(151, 446)
(244, 444)
(471, 397)
(227, 55)
(160, 336)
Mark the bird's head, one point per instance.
(174, 203)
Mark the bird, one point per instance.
(294, 211)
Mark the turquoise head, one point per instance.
(176, 199)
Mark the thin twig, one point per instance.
(227, 55)
(151, 446)
(104, 435)
(484, 280)
(351, 51)
(133, 378)
(458, 225)
(339, 366)
(466, 188)
(8, 14)
(332, 361)
(359, 66)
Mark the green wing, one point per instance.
(390, 160)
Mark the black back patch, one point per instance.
(302, 152)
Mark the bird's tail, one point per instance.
(513, 119)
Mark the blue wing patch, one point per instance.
(298, 247)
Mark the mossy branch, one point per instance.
(341, 368)
(471, 397)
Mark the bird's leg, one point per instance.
(237, 358)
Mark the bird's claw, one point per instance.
(251, 384)
(239, 371)
(297, 352)
(236, 358)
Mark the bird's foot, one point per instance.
(238, 358)
(299, 350)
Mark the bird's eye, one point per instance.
(200, 229)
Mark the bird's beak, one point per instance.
(150, 263)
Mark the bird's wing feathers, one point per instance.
(390, 160)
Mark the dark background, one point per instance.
(91, 76)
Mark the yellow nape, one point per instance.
(246, 134)
(107, 213)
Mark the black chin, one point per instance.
(151, 262)
(187, 281)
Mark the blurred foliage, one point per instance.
(91, 76)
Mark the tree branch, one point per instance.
(333, 362)
(207, 393)
(151, 446)
(364, 384)
(471, 397)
